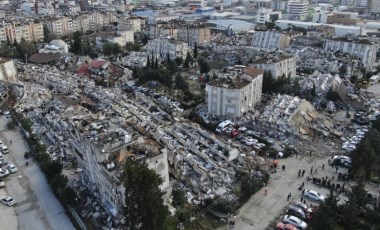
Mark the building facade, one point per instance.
(119, 37)
(297, 9)
(235, 94)
(364, 50)
(160, 47)
(278, 66)
(29, 31)
(8, 71)
(194, 34)
(270, 39)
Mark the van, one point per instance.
(374, 79)
(223, 126)
(4, 149)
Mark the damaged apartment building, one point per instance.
(234, 93)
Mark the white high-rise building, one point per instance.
(298, 9)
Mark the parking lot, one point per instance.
(36, 207)
(261, 209)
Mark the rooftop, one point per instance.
(268, 59)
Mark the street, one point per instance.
(37, 207)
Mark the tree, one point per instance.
(133, 47)
(171, 66)
(195, 50)
(312, 92)
(268, 82)
(326, 216)
(156, 64)
(296, 87)
(145, 208)
(77, 44)
(48, 36)
(203, 66)
(26, 48)
(186, 64)
(179, 198)
(178, 60)
(148, 65)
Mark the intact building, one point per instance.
(236, 93)
(364, 50)
(278, 65)
(297, 9)
(270, 39)
(160, 47)
(197, 33)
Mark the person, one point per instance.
(303, 184)
(311, 170)
(303, 172)
(316, 170)
(301, 199)
(27, 163)
(336, 169)
(289, 195)
(283, 167)
(323, 166)
(10, 141)
(265, 192)
(329, 161)
(303, 191)
(299, 173)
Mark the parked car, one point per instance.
(250, 141)
(4, 172)
(7, 200)
(12, 168)
(2, 184)
(283, 226)
(313, 195)
(297, 211)
(297, 222)
(303, 206)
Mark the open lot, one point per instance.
(261, 210)
(37, 207)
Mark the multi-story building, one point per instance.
(163, 30)
(8, 71)
(236, 93)
(362, 49)
(267, 15)
(101, 149)
(58, 26)
(194, 33)
(196, 3)
(343, 18)
(278, 65)
(160, 47)
(119, 37)
(3, 33)
(29, 31)
(270, 39)
(297, 9)
(374, 6)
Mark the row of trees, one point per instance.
(18, 50)
(357, 213)
(283, 85)
(52, 169)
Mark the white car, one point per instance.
(12, 168)
(297, 222)
(3, 172)
(7, 200)
(314, 195)
(251, 141)
(259, 145)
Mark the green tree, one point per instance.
(156, 63)
(312, 92)
(203, 66)
(195, 51)
(170, 65)
(48, 36)
(186, 64)
(296, 87)
(148, 65)
(133, 47)
(26, 124)
(268, 82)
(77, 47)
(326, 216)
(178, 60)
(26, 48)
(179, 198)
(145, 208)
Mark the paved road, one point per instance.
(37, 207)
(261, 210)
